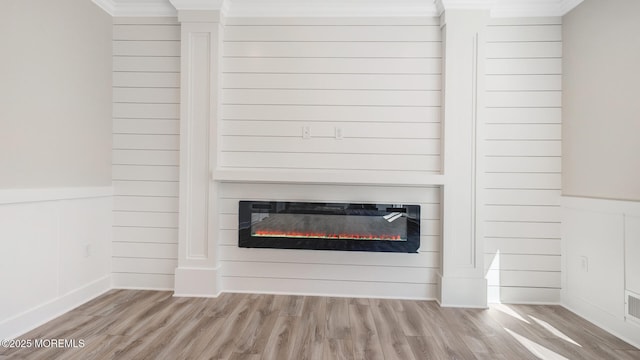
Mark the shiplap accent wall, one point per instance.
(520, 172)
(146, 96)
(378, 80)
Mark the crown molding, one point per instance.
(464, 4)
(107, 6)
(131, 8)
(337, 8)
(569, 5)
(207, 5)
(271, 8)
(333, 8)
(533, 8)
(511, 8)
(201, 10)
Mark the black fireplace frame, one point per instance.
(247, 240)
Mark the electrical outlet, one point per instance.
(306, 132)
(584, 263)
(339, 133)
(87, 250)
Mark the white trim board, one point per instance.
(328, 177)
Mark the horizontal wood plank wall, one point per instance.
(379, 82)
(146, 87)
(376, 80)
(521, 166)
(330, 272)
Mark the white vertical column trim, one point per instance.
(194, 142)
(473, 260)
(197, 273)
(479, 163)
(462, 279)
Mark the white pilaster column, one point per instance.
(462, 281)
(198, 267)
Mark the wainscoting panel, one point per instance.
(600, 245)
(520, 169)
(146, 96)
(54, 254)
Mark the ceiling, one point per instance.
(343, 8)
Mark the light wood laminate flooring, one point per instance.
(131, 324)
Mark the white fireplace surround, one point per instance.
(461, 280)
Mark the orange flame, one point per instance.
(311, 235)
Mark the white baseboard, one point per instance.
(30, 319)
(330, 288)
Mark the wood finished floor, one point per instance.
(129, 324)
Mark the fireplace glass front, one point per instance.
(329, 226)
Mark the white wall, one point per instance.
(600, 100)
(146, 81)
(520, 170)
(55, 94)
(54, 254)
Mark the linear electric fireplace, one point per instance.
(329, 226)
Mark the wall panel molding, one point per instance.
(600, 245)
(55, 255)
